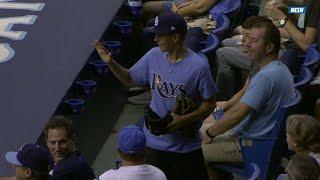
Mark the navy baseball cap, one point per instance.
(31, 156)
(167, 23)
(131, 139)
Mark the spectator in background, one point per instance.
(132, 152)
(239, 40)
(253, 110)
(303, 135)
(69, 163)
(308, 35)
(31, 162)
(301, 167)
(292, 17)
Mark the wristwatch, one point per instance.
(208, 133)
(283, 21)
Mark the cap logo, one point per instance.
(172, 28)
(20, 149)
(156, 21)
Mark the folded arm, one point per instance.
(196, 8)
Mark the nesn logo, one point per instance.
(297, 10)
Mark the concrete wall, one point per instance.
(38, 65)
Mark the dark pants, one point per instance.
(290, 58)
(179, 166)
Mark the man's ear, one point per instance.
(27, 172)
(176, 37)
(74, 142)
(270, 48)
(73, 139)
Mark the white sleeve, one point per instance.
(109, 175)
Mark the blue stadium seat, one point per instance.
(211, 45)
(259, 152)
(228, 7)
(303, 79)
(222, 26)
(290, 57)
(311, 58)
(194, 39)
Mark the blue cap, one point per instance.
(31, 156)
(131, 139)
(167, 23)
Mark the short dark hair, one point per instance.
(40, 175)
(59, 122)
(138, 156)
(304, 167)
(272, 34)
(250, 21)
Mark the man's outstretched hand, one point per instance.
(103, 52)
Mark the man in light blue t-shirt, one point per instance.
(253, 110)
(170, 70)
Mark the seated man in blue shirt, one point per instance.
(253, 110)
(69, 163)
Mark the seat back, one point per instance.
(257, 156)
(210, 46)
(259, 153)
(222, 26)
(284, 112)
(291, 59)
(303, 79)
(228, 7)
(312, 57)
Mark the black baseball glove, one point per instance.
(158, 126)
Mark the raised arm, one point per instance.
(302, 39)
(119, 71)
